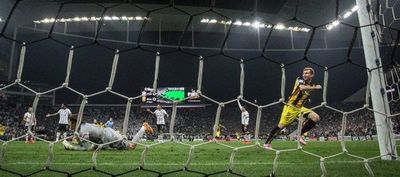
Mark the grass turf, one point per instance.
(210, 158)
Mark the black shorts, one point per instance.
(62, 128)
(245, 128)
(160, 127)
(33, 128)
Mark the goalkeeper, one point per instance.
(101, 135)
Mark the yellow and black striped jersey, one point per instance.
(100, 124)
(298, 98)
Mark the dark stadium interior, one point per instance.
(178, 69)
(294, 34)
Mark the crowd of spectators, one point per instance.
(195, 122)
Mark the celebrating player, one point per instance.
(160, 114)
(300, 94)
(29, 119)
(102, 135)
(245, 122)
(63, 123)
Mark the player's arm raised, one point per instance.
(50, 115)
(238, 101)
(309, 87)
(148, 110)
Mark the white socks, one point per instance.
(138, 135)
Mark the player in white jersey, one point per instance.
(63, 123)
(102, 135)
(29, 119)
(245, 122)
(160, 114)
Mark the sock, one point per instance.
(58, 136)
(272, 134)
(139, 134)
(75, 147)
(65, 135)
(308, 125)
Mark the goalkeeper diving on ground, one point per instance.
(103, 135)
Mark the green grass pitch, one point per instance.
(254, 161)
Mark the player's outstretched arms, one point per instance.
(50, 115)
(238, 101)
(307, 87)
(148, 110)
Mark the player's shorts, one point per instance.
(160, 127)
(289, 114)
(62, 127)
(245, 128)
(218, 134)
(33, 128)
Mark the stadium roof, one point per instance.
(314, 12)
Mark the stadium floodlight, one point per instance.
(62, 20)
(305, 29)
(228, 22)
(256, 24)
(262, 25)
(77, 19)
(139, 18)
(131, 18)
(84, 19)
(335, 23)
(347, 14)
(93, 18)
(280, 27)
(124, 18)
(45, 20)
(1, 20)
(238, 23)
(246, 24)
(329, 27)
(355, 8)
(204, 20)
(115, 18)
(213, 21)
(107, 18)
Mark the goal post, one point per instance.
(384, 127)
